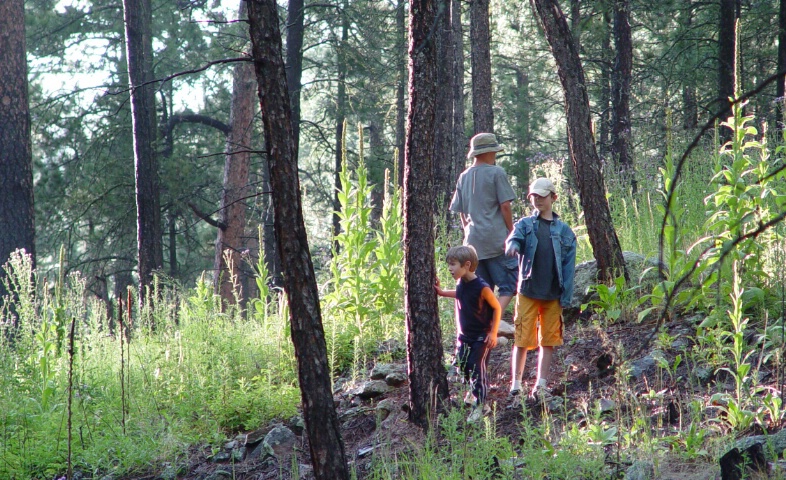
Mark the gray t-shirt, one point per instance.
(479, 192)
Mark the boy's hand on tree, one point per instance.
(437, 286)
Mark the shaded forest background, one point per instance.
(353, 71)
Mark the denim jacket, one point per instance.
(524, 239)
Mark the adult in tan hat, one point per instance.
(483, 198)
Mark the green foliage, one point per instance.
(366, 285)
(613, 302)
(199, 376)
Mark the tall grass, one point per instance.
(200, 375)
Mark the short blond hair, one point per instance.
(463, 254)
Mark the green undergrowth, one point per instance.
(185, 372)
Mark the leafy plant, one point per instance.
(613, 301)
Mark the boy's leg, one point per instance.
(517, 361)
(544, 365)
(476, 367)
(526, 338)
(550, 337)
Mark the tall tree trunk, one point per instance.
(428, 385)
(231, 239)
(325, 443)
(460, 145)
(480, 42)
(620, 93)
(592, 191)
(604, 105)
(780, 88)
(443, 121)
(17, 228)
(295, 30)
(523, 107)
(139, 52)
(341, 105)
(726, 59)
(172, 224)
(269, 249)
(401, 85)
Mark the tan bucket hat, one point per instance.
(484, 143)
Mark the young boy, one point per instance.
(546, 248)
(478, 314)
(483, 198)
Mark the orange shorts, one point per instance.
(538, 323)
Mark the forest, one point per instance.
(222, 221)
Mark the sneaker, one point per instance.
(469, 399)
(478, 413)
(515, 389)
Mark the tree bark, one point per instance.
(592, 191)
(604, 105)
(341, 105)
(427, 375)
(139, 53)
(727, 19)
(480, 42)
(17, 227)
(401, 85)
(325, 443)
(780, 88)
(295, 30)
(231, 239)
(443, 121)
(460, 144)
(620, 94)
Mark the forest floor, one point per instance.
(583, 373)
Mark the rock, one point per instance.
(506, 330)
(640, 470)
(339, 384)
(502, 341)
(239, 454)
(371, 389)
(680, 342)
(555, 403)
(279, 443)
(219, 475)
(638, 368)
(396, 379)
(734, 462)
(221, 457)
(382, 370)
(255, 437)
(775, 442)
(297, 425)
(304, 471)
(384, 408)
(363, 452)
(606, 405)
(353, 412)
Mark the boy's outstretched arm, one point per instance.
(443, 293)
(488, 296)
